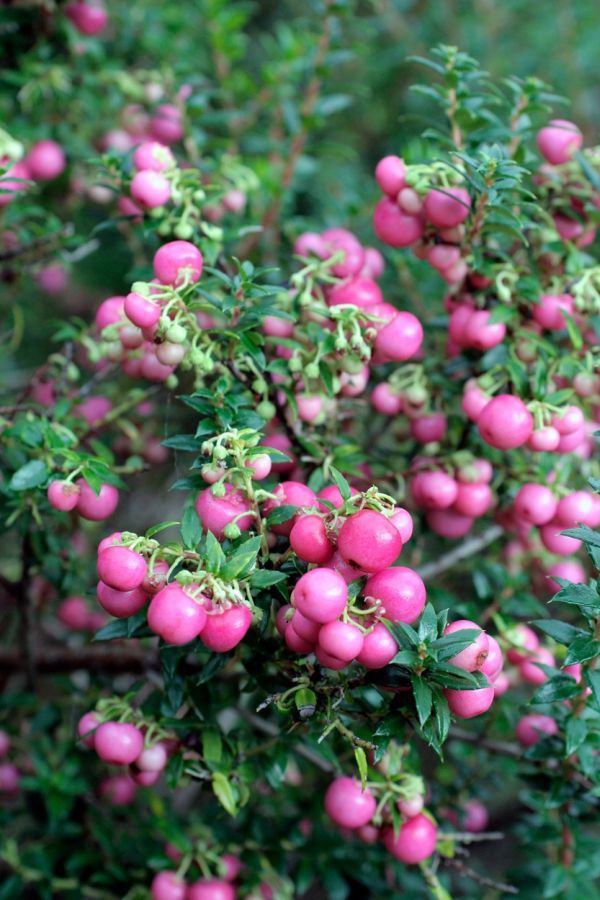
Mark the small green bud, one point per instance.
(266, 410)
(231, 531)
(176, 334)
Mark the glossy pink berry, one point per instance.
(347, 804)
(296, 643)
(492, 665)
(46, 160)
(535, 503)
(150, 189)
(109, 312)
(544, 439)
(558, 141)
(549, 311)
(378, 649)
(361, 292)
(86, 728)
(142, 311)
(305, 628)
(389, 174)
(448, 207)
(434, 490)
(210, 889)
(153, 156)
(402, 520)
(474, 401)
(178, 262)
(308, 539)
(533, 727)
(120, 604)
(385, 400)
(93, 506)
(529, 669)
(482, 334)
(558, 543)
(341, 639)
(411, 807)
(415, 841)
(118, 743)
(260, 465)
(353, 255)
(401, 593)
(576, 508)
(369, 541)
(224, 630)
(394, 227)
(449, 523)
(472, 657)
(168, 886)
(63, 495)
(468, 704)
(569, 569)
(473, 499)
(428, 428)
(332, 495)
(153, 759)
(320, 595)
(289, 493)
(121, 568)
(526, 642)
(570, 419)
(505, 422)
(176, 616)
(400, 339)
(216, 513)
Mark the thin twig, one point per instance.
(272, 730)
(467, 872)
(468, 548)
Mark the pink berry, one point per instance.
(577, 507)
(389, 174)
(341, 639)
(532, 728)
(10, 778)
(558, 141)
(176, 616)
(120, 604)
(411, 807)
(415, 841)
(118, 790)
(401, 338)
(332, 494)
(109, 312)
(109, 541)
(86, 728)
(74, 613)
(569, 569)
(168, 886)
(443, 256)
(320, 595)
(431, 427)
(535, 503)
(480, 333)
(152, 156)
(296, 643)
(176, 262)
(544, 439)
(308, 539)
(305, 628)
(434, 490)
(339, 239)
(150, 189)
(472, 657)
(501, 684)
(448, 207)
(529, 669)
(289, 493)
(13, 181)
(394, 227)
(378, 649)
(558, 543)
(232, 865)
(468, 704)
(153, 759)
(210, 889)
(402, 520)
(93, 506)
(45, 160)
(260, 465)
(347, 804)
(473, 500)
(401, 592)
(224, 630)
(549, 311)
(505, 422)
(526, 641)
(369, 541)
(570, 419)
(142, 311)
(475, 816)
(63, 495)
(216, 513)
(385, 400)
(89, 19)
(165, 125)
(448, 523)
(282, 618)
(492, 665)
(118, 743)
(473, 403)
(361, 292)
(144, 779)
(121, 568)
(309, 407)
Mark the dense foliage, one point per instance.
(297, 463)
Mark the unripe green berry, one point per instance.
(183, 231)
(176, 333)
(266, 410)
(416, 394)
(231, 531)
(312, 370)
(171, 382)
(220, 453)
(218, 490)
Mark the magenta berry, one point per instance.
(296, 643)
(260, 465)
(74, 613)
(165, 125)
(505, 422)
(362, 292)
(142, 311)
(549, 311)
(120, 604)
(45, 160)
(428, 428)
(448, 523)
(558, 543)
(401, 593)
(176, 616)
(435, 490)
(341, 639)
(448, 207)
(570, 419)
(576, 508)
(332, 495)
(118, 790)
(210, 889)
(168, 886)
(153, 156)
(150, 189)
(378, 649)
(400, 339)
(89, 19)
(10, 778)
(468, 704)
(86, 728)
(178, 262)
(402, 520)
(153, 759)
(473, 500)
(320, 595)
(415, 841)
(535, 503)
(569, 569)
(389, 174)
(96, 507)
(63, 495)
(308, 539)
(217, 512)
(473, 656)
(558, 141)
(109, 312)
(369, 541)
(533, 727)
(118, 743)
(492, 665)
(394, 227)
(224, 630)
(305, 628)
(347, 804)
(530, 670)
(385, 400)
(121, 568)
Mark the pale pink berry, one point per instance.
(347, 804)
(153, 156)
(501, 684)
(166, 125)
(415, 841)
(96, 506)
(339, 239)
(448, 523)
(482, 334)
(558, 141)
(63, 495)
(447, 207)
(118, 790)
(570, 419)
(402, 520)
(468, 704)
(558, 543)
(341, 639)
(369, 541)
(86, 728)
(13, 181)
(472, 657)
(576, 508)
(505, 422)
(168, 886)
(176, 262)
(412, 806)
(529, 669)
(224, 630)
(118, 743)
(374, 263)
(443, 256)
(548, 312)
(401, 593)
(533, 727)
(309, 407)
(46, 160)
(150, 189)
(308, 539)
(401, 338)
(394, 227)
(176, 616)
(320, 595)
(474, 816)
(153, 759)
(389, 174)
(544, 439)
(474, 401)
(260, 465)
(535, 503)
(378, 649)
(210, 889)
(74, 613)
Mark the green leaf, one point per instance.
(282, 514)
(342, 484)
(306, 702)
(215, 558)
(212, 746)
(264, 578)
(187, 442)
(243, 561)
(406, 636)
(191, 528)
(582, 649)
(31, 475)
(561, 687)
(561, 632)
(578, 595)
(224, 793)
(162, 526)
(428, 624)
(361, 762)
(423, 698)
(575, 734)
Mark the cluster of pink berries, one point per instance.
(538, 506)
(452, 499)
(75, 614)
(150, 341)
(352, 807)
(170, 885)
(178, 613)
(10, 776)
(44, 162)
(66, 496)
(353, 261)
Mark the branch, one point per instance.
(272, 730)
(504, 748)
(468, 548)
(467, 872)
(97, 658)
